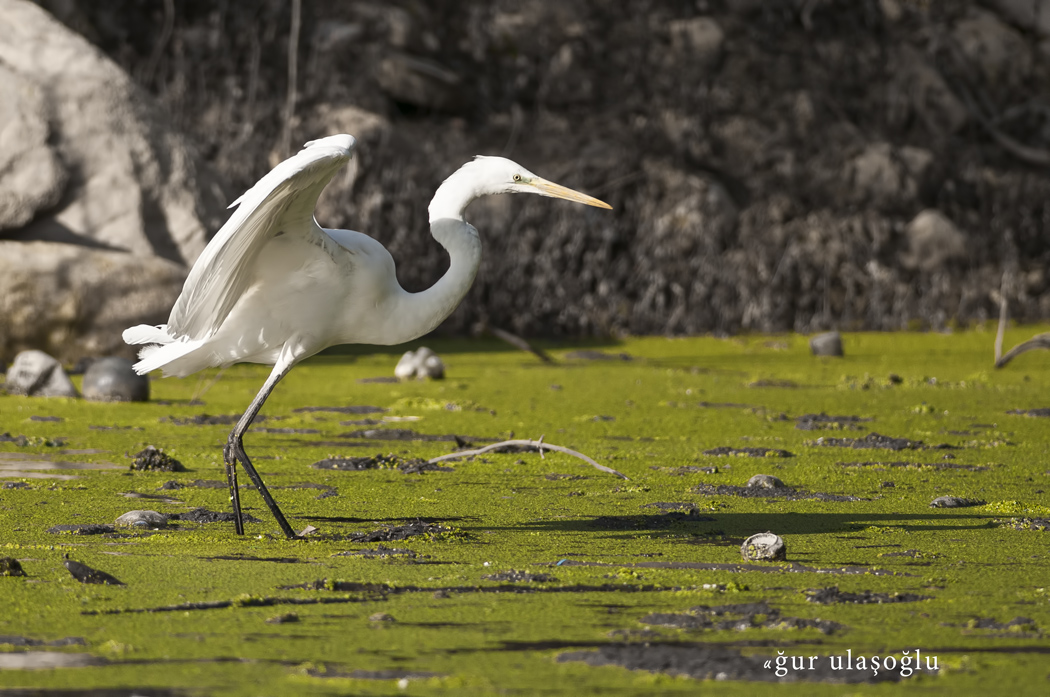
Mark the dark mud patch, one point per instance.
(115, 428)
(9, 566)
(210, 419)
(777, 568)
(592, 355)
(1016, 626)
(737, 617)
(878, 441)
(947, 466)
(361, 422)
(663, 521)
(725, 451)
(393, 533)
(363, 409)
(1042, 412)
(359, 674)
(782, 384)
(359, 464)
(14, 485)
(555, 477)
(514, 576)
(824, 422)
(684, 470)
(203, 515)
(382, 379)
(289, 431)
(152, 459)
(380, 552)
(247, 557)
(407, 434)
(780, 492)
(196, 483)
(83, 529)
(674, 506)
(713, 661)
(86, 574)
(23, 441)
(832, 596)
(47, 419)
(11, 640)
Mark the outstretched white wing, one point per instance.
(282, 201)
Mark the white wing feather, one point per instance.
(282, 201)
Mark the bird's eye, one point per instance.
(517, 177)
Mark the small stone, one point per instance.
(827, 344)
(420, 364)
(286, 618)
(765, 546)
(954, 502)
(146, 519)
(85, 574)
(9, 566)
(36, 374)
(381, 617)
(156, 460)
(114, 379)
(765, 481)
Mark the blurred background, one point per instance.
(774, 165)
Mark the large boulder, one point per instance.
(95, 188)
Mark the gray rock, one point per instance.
(827, 344)
(888, 176)
(954, 502)
(765, 481)
(699, 37)
(36, 374)
(420, 364)
(998, 51)
(9, 566)
(31, 175)
(933, 240)
(114, 380)
(143, 519)
(102, 204)
(765, 546)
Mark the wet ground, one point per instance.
(914, 510)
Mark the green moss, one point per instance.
(197, 593)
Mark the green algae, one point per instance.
(194, 613)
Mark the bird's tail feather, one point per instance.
(165, 355)
(147, 334)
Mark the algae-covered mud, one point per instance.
(908, 482)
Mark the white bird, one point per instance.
(274, 287)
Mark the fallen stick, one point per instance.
(1039, 341)
(538, 445)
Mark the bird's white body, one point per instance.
(274, 287)
(303, 288)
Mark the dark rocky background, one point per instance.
(767, 160)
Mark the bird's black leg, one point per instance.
(234, 453)
(235, 492)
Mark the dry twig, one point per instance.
(538, 445)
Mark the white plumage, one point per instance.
(274, 287)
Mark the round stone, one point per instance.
(143, 519)
(114, 379)
(765, 546)
(765, 481)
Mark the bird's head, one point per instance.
(498, 175)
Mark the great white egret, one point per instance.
(274, 287)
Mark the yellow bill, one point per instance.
(558, 191)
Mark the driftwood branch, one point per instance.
(519, 343)
(1039, 341)
(537, 445)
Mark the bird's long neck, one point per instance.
(424, 311)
